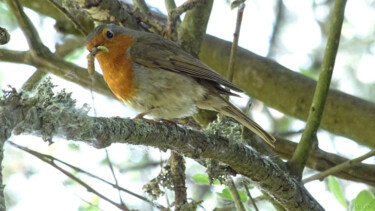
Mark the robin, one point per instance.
(156, 77)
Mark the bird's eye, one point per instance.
(109, 34)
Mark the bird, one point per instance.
(157, 78)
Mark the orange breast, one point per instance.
(117, 67)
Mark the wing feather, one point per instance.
(154, 51)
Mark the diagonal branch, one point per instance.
(174, 15)
(339, 167)
(236, 37)
(142, 6)
(322, 161)
(51, 162)
(50, 158)
(299, 159)
(234, 193)
(80, 20)
(113, 174)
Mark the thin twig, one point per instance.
(290, 133)
(51, 162)
(236, 36)
(140, 166)
(142, 6)
(299, 159)
(79, 26)
(88, 202)
(113, 174)
(174, 15)
(33, 80)
(26, 26)
(233, 191)
(154, 23)
(171, 5)
(251, 198)
(52, 159)
(339, 167)
(320, 160)
(279, 19)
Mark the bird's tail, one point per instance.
(232, 111)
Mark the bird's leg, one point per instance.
(141, 115)
(168, 121)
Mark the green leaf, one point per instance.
(309, 73)
(335, 188)
(365, 201)
(203, 179)
(243, 196)
(226, 195)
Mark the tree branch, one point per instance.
(47, 159)
(234, 193)
(109, 11)
(192, 30)
(236, 37)
(300, 156)
(177, 164)
(174, 15)
(321, 161)
(142, 6)
(78, 17)
(48, 115)
(339, 167)
(279, 20)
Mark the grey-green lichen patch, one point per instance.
(193, 205)
(48, 110)
(225, 127)
(164, 179)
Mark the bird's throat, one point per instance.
(117, 68)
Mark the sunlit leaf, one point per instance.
(365, 201)
(203, 179)
(335, 188)
(226, 195)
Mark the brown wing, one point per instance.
(154, 51)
